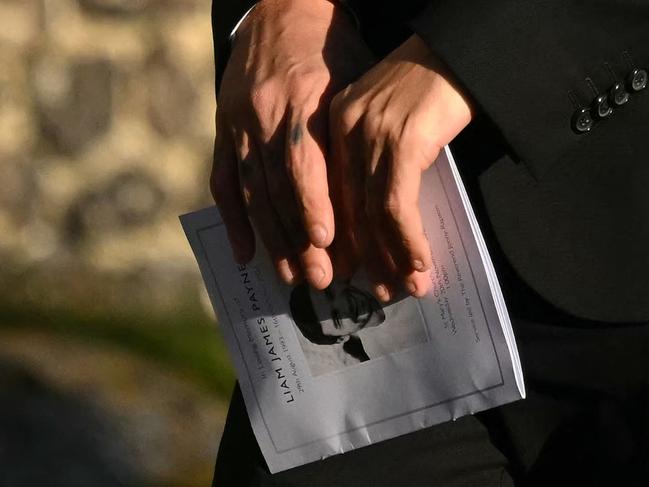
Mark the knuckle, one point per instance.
(262, 97)
(342, 113)
(415, 131)
(414, 124)
(306, 80)
(371, 126)
(396, 140)
(348, 119)
(303, 96)
(393, 207)
(415, 137)
(428, 148)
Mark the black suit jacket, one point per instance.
(566, 214)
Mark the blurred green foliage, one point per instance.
(186, 340)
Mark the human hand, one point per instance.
(289, 58)
(385, 129)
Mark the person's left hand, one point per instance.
(385, 129)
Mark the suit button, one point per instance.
(582, 122)
(602, 107)
(618, 94)
(637, 79)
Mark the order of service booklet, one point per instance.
(323, 373)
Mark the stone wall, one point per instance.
(106, 131)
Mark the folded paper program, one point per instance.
(325, 372)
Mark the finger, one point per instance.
(316, 266)
(397, 274)
(261, 213)
(414, 282)
(288, 270)
(346, 182)
(378, 265)
(402, 209)
(280, 191)
(417, 283)
(394, 204)
(397, 269)
(388, 274)
(307, 171)
(383, 268)
(313, 263)
(224, 185)
(282, 200)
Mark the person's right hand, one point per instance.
(289, 58)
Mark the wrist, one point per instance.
(271, 10)
(237, 26)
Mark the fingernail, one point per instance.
(315, 274)
(382, 292)
(286, 273)
(318, 234)
(418, 265)
(411, 287)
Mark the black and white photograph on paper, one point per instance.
(345, 325)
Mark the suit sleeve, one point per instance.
(526, 63)
(225, 15)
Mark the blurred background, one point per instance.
(112, 371)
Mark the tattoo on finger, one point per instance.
(296, 134)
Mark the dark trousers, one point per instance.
(585, 422)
